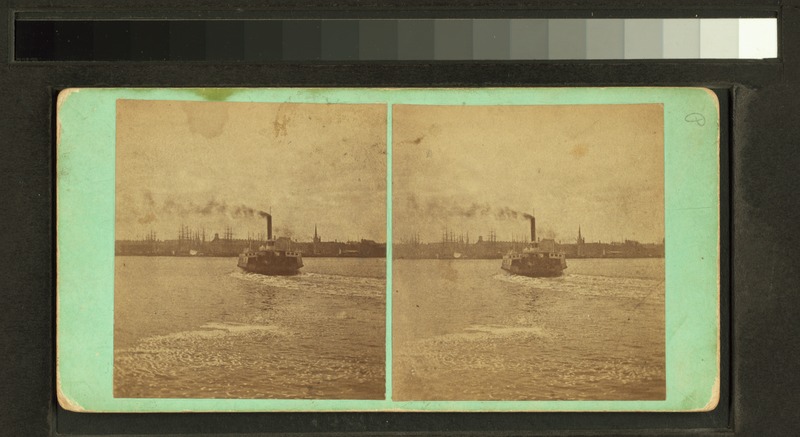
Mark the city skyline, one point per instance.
(205, 234)
(520, 235)
(454, 235)
(217, 164)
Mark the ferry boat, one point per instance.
(268, 260)
(539, 259)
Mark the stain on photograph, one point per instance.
(528, 246)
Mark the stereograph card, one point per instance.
(388, 249)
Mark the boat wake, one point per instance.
(320, 283)
(586, 285)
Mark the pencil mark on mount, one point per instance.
(695, 117)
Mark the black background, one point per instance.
(760, 160)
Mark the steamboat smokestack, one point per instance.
(269, 226)
(533, 228)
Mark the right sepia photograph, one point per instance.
(528, 252)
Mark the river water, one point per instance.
(466, 330)
(195, 327)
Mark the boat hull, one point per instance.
(275, 263)
(534, 266)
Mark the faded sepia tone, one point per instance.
(600, 167)
(196, 183)
(177, 159)
(466, 182)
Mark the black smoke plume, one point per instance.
(441, 208)
(208, 208)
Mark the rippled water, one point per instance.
(202, 328)
(466, 330)
(463, 330)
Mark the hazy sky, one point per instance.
(213, 164)
(478, 168)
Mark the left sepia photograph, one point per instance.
(250, 250)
